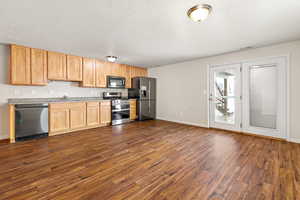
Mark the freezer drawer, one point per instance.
(146, 109)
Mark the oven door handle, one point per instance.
(120, 110)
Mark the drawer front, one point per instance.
(58, 105)
(92, 104)
(76, 104)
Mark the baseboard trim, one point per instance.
(294, 140)
(202, 125)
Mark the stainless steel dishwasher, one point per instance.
(31, 121)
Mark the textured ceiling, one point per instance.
(147, 32)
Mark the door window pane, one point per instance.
(224, 92)
(263, 96)
(224, 112)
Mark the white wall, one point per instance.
(54, 89)
(182, 94)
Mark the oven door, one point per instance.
(120, 117)
(115, 82)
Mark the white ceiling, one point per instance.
(147, 32)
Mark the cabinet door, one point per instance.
(105, 112)
(134, 72)
(143, 72)
(116, 69)
(77, 115)
(89, 73)
(38, 67)
(93, 113)
(138, 72)
(127, 75)
(133, 114)
(57, 66)
(74, 68)
(100, 74)
(20, 65)
(59, 117)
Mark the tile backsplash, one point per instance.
(60, 89)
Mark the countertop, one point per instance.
(52, 100)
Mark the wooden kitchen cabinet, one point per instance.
(59, 118)
(105, 112)
(74, 68)
(77, 115)
(116, 69)
(143, 72)
(101, 73)
(133, 114)
(138, 72)
(93, 114)
(89, 75)
(28, 66)
(127, 76)
(20, 65)
(38, 66)
(57, 66)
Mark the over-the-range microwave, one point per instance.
(116, 82)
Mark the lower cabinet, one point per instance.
(59, 118)
(77, 115)
(93, 113)
(105, 112)
(67, 117)
(133, 115)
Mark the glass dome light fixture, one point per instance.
(199, 12)
(111, 58)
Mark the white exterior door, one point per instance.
(225, 97)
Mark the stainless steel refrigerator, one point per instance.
(144, 89)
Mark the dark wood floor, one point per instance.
(150, 160)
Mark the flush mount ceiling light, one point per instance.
(111, 58)
(200, 12)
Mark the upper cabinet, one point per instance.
(116, 69)
(138, 72)
(57, 66)
(127, 75)
(38, 59)
(89, 73)
(20, 65)
(101, 71)
(74, 68)
(29, 66)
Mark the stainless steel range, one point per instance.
(120, 107)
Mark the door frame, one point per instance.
(241, 62)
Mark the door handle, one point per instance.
(149, 95)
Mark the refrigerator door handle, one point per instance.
(149, 95)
